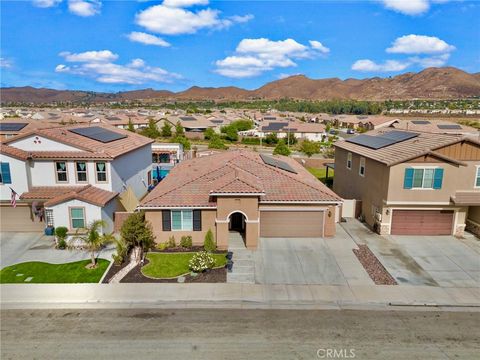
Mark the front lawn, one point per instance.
(320, 173)
(169, 265)
(44, 273)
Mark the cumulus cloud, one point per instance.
(411, 7)
(46, 3)
(147, 39)
(255, 56)
(367, 65)
(84, 8)
(136, 72)
(419, 44)
(90, 56)
(171, 18)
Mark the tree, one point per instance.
(271, 139)
(182, 140)
(209, 134)
(291, 139)
(151, 130)
(137, 233)
(209, 243)
(92, 240)
(309, 147)
(166, 129)
(217, 143)
(231, 134)
(281, 149)
(179, 130)
(130, 126)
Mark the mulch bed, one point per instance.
(373, 266)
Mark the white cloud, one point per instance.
(84, 8)
(255, 56)
(184, 3)
(371, 66)
(5, 63)
(317, 45)
(411, 7)
(90, 56)
(419, 44)
(170, 20)
(433, 61)
(46, 3)
(147, 39)
(105, 71)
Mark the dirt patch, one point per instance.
(373, 266)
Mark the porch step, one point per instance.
(243, 270)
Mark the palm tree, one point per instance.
(93, 241)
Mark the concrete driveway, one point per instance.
(423, 260)
(18, 247)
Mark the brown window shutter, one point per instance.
(197, 220)
(166, 220)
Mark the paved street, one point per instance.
(237, 334)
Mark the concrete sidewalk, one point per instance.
(231, 296)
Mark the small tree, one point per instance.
(209, 134)
(291, 139)
(271, 139)
(309, 147)
(151, 130)
(182, 140)
(179, 131)
(122, 251)
(209, 243)
(281, 149)
(130, 126)
(93, 241)
(217, 143)
(231, 134)
(137, 233)
(166, 129)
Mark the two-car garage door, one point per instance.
(422, 222)
(18, 219)
(291, 223)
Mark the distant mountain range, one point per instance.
(431, 83)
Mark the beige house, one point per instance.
(411, 183)
(242, 191)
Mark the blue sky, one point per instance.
(174, 44)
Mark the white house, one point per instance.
(70, 176)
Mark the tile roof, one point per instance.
(14, 152)
(60, 194)
(402, 151)
(98, 149)
(466, 198)
(191, 182)
(432, 127)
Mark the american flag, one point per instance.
(13, 198)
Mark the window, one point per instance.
(182, 220)
(349, 160)
(477, 177)
(49, 217)
(77, 217)
(81, 168)
(5, 177)
(61, 168)
(101, 170)
(361, 169)
(427, 178)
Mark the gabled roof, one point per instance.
(97, 149)
(193, 182)
(420, 145)
(59, 194)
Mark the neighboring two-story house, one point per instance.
(70, 176)
(411, 183)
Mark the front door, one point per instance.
(236, 222)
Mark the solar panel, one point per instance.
(187, 118)
(99, 134)
(12, 126)
(277, 163)
(449, 126)
(275, 126)
(420, 122)
(215, 121)
(269, 118)
(399, 135)
(383, 140)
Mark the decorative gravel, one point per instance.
(373, 266)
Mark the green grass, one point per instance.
(45, 273)
(169, 265)
(320, 173)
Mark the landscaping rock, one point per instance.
(373, 266)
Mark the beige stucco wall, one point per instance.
(155, 219)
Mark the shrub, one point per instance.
(209, 134)
(61, 234)
(186, 242)
(201, 261)
(171, 242)
(217, 143)
(271, 139)
(281, 149)
(209, 243)
(162, 246)
(251, 141)
(61, 244)
(122, 251)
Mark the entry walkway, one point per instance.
(243, 270)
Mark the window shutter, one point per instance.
(166, 220)
(197, 220)
(6, 177)
(408, 179)
(437, 179)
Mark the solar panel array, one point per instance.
(269, 118)
(187, 118)
(382, 140)
(99, 134)
(275, 126)
(217, 121)
(277, 163)
(449, 126)
(12, 126)
(420, 122)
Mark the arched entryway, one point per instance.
(237, 222)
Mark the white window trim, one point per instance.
(181, 220)
(360, 167)
(423, 178)
(477, 175)
(349, 161)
